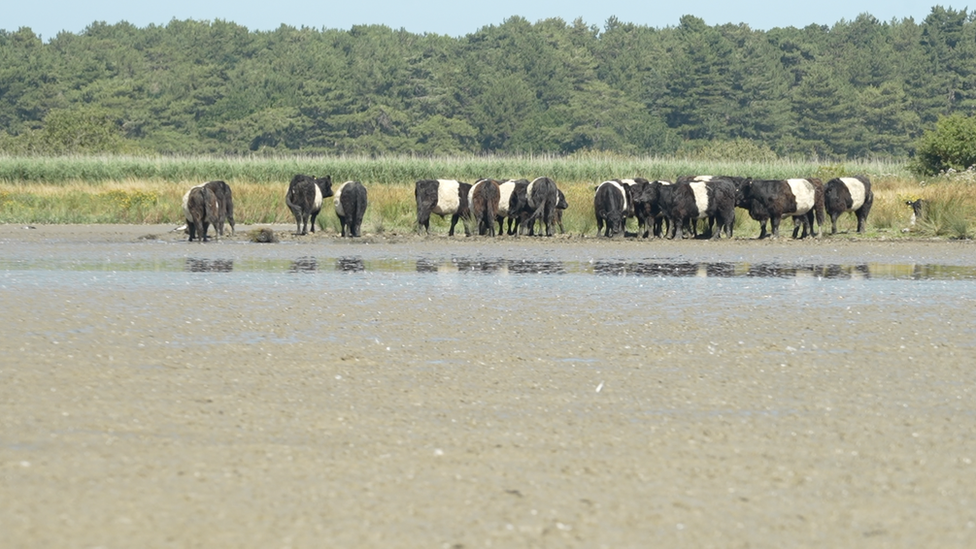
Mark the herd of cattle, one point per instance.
(661, 208)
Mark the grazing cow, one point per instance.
(441, 197)
(225, 201)
(537, 200)
(200, 208)
(304, 199)
(483, 200)
(918, 210)
(350, 206)
(845, 194)
(612, 203)
(766, 199)
(714, 199)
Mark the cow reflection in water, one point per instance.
(350, 264)
(537, 267)
(304, 265)
(636, 268)
(491, 266)
(479, 265)
(194, 265)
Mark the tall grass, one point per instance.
(150, 189)
(404, 169)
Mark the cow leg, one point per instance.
(833, 223)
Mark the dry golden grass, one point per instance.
(952, 205)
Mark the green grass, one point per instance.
(405, 169)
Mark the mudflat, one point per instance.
(517, 392)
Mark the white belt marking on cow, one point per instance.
(856, 188)
(804, 192)
(619, 188)
(338, 193)
(317, 205)
(628, 181)
(528, 194)
(448, 199)
(701, 197)
(704, 178)
(471, 194)
(505, 190)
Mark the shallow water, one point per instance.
(524, 393)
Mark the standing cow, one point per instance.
(441, 197)
(536, 201)
(225, 203)
(350, 206)
(304, 199)
(689, 202)
(846, 194)
(507, 204)
(200, 208)
(483, 200)
(612, 204)
(649, 202)
(640, 208)
(772, 199)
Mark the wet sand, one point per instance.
(358, 413)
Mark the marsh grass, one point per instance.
(150, 189)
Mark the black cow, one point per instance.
(689, 202)
(845, 194)
(225, 204)
(612, 204)
(536, 201)
(561, 204)
(441, 197)
(350, 206)
(649, 202)
(304, 199)
(517, 202)
(483, 199)
(771, 199)
(201, 210)
(640, 208)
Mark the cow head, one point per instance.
(325, 185)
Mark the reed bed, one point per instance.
(150, 189)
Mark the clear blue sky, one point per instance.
(457, 18)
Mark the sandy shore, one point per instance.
(363, 415)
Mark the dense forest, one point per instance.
(861, 88)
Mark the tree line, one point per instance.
(861, 88)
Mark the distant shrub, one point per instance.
(830, 171)
(950, 146)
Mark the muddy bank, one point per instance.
(405, 408)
